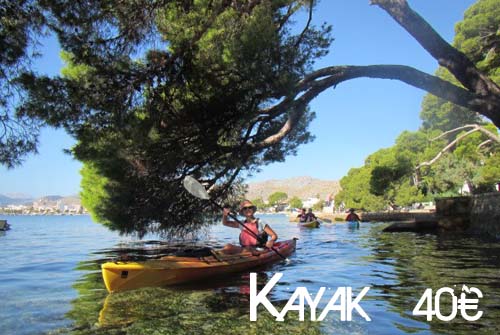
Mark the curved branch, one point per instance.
(455, 61)
(481, 94)
(318, 81)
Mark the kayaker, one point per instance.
(352, 216)
(302, 216)
(247, 240)
(310, 216)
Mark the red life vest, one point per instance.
(352, 217)
(246, 238)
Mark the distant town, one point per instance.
(48, 205)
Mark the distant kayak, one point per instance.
(4, 226)
(171, 270)
(312, 224)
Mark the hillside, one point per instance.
(14, 200)
(302, 187)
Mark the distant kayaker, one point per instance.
(302, 215)
(352, 216)
(247, 239)
(310, 216)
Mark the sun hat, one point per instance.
(247, 203)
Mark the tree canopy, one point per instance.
(295, 202)
(157, 90)
(277, 198)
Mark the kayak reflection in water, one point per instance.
(247, 239)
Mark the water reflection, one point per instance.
(213, 308)
(352, 226)
(409, 263)
(397, 267)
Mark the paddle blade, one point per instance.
(195, 188)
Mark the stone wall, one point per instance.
(485, 214)
(453, 213)
(398, 216)
(478, 214)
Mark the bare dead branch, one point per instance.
(483, 144)
(445, 149)
(474, 126)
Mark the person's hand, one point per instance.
(226, 211)
(269, 244)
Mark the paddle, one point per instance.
(196, 189)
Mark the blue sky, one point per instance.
(353, 120)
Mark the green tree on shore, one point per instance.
(295, 202)
(277, 198)
(259, 203)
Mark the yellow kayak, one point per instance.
(312, 224)
(171, 270)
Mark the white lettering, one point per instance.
(342, 301)
(303, 294)
(314, 302)
(355, 304)
(437, 308)
(256, 299)
(463, 304)
(426, 298)
(339, 293)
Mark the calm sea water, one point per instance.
(50, 281)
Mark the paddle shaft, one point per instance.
(245, 227)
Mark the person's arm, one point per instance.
(272, 235)
(226, 222)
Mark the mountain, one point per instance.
(14, 200)
(18, 196)
(302, 187)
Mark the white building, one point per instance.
(310, 202)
